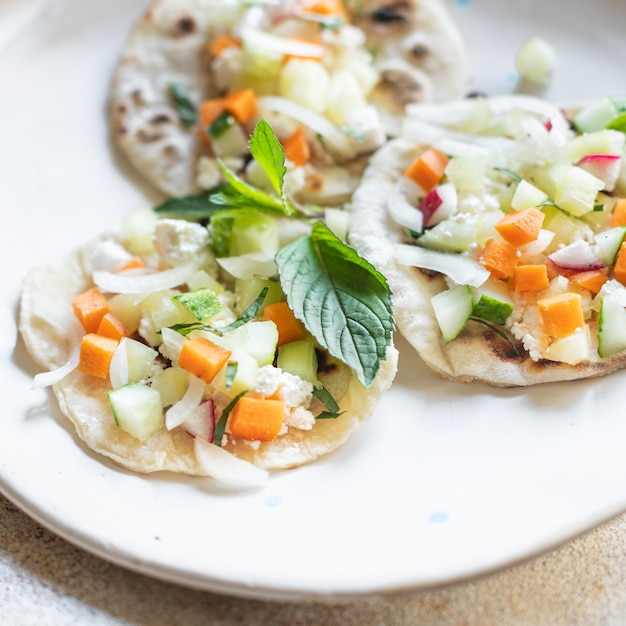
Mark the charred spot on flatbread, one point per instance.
(185, 25)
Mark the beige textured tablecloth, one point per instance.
(46, 581)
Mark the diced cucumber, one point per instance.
(299, 358)
(228, 138)
(599, 142)
(140, 359)
(203, 280)
(452, 309)
(456, 234)
(253, 231)
(137, 231)
(491, 302)
(246, 371)
(247, 291)
(595, 116)
(527, 196)
(565, 228)
(576, 190)
(466, 173)
(608, 243)
(124, 307)
(611, 327)
(171, 383)
(258, 339)
(571, 349)
(201, 303)
(535, 60)
(137, 409)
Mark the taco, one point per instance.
(499, 224)
(224, 348)
(332, 79)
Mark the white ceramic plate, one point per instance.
(446, 481)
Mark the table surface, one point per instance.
(45, 580)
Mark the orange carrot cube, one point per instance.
(562, 314)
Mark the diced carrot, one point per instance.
(90, 307)
(133, 264)
(590, 279)
(95, 354)
(618, 217)
(112, 327)
(210, 110)
(520, 227)
(427, 170)
(203, 358)
(531, 277)
(620, 264)
(297, 147)
(221, 42)
(241, 104)
(562, 314)
(500, 258)
(256, 419)
(290, 328)
(334, 8)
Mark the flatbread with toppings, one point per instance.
(332, 79)
(499, 223)
(203, 348)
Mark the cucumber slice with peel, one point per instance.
(452, 310)
(137, 409)
(611, 327)
(299, 358)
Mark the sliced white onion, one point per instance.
(544, 238)
(173, 341)
(144, 283)
(247, 266)
(73, 331)
(182, 409)
(262, 40)
(577, 255)
(118, 369)
(402, 211)
(223, 466)
(460, 269)
(108, 255)
(314, 121)
(542, 138)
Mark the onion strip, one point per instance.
(144, 283)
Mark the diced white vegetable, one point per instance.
(137, 409)
(527, 196)
(571, 349)
(178, 413)
(576, 190)
(452, 309)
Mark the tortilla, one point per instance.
(46, 299)
(419, 56)
(479, 353)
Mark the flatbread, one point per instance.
(47, 293)
(419, 57)
(478, 353)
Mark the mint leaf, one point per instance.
(343, 301)
(240, 193)
(185, 109)
(194, 207)
(270, 154)
(201, 303)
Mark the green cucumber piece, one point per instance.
(452, 310)
(201, 303)
(299, 358)
(247, 291)
(608, 243)
(137, 409)
(492, 309)
(611, 327)
(140, 359)
(258, 339)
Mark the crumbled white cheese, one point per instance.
(180, 241)
(300, 418)
(268, 379)
(109, 256)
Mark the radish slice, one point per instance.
(460, 269)
(578, 256)
(201, 421)
(180, 411)
(439, 204)
(223, 466)
(606, 167)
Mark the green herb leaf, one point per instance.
(248, 315)
(498, 332)
(510, 173)
(194, 207)
(270, 155)
(324, 396)
(220, 426)
(201, 303)
(343, 301)
(186, 110)
(231, 372)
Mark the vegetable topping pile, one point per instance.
(522, 207)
